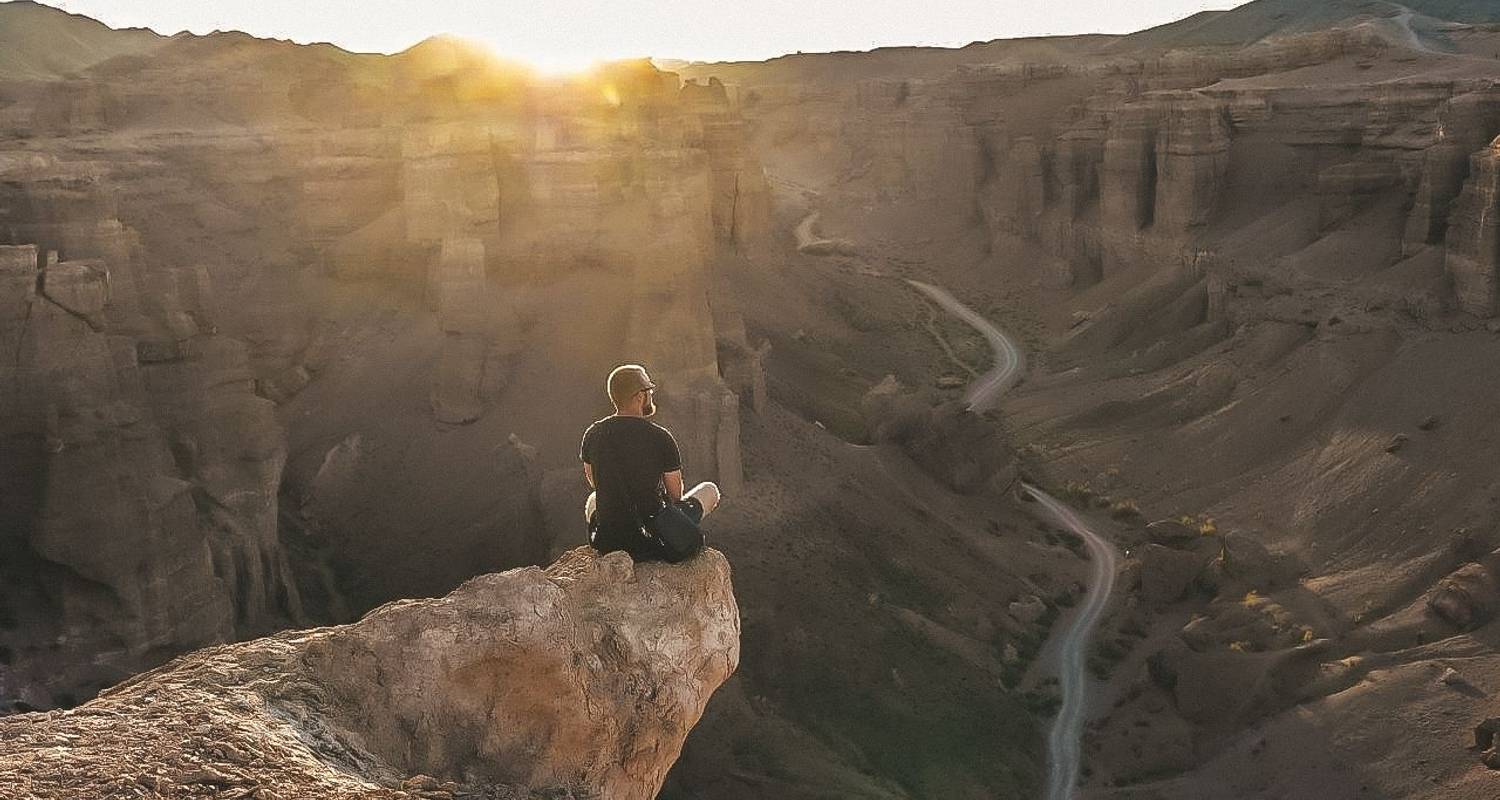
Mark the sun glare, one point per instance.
(551, 63)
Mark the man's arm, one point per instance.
(673, 483)
(584, 456)
(671, 466)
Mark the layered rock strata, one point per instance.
(175, 288)
(1473, 241)
(142, 467)
(1466, 124)
(585, 677)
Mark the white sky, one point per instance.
(562, 34)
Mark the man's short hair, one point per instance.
(625, 381)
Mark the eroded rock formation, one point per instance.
(179, 293)
(142, 467)
(1473, 258)
(1467, 123)
(1468, 596)
(965, 450)
(585, 677)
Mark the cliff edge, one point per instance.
(582, 679)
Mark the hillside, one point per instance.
(893, 62)
(39, 42)
(1264, 19)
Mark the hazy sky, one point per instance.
(560, 34)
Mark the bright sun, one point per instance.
(552, 62)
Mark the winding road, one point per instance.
(1065, 739)
(1010, 362)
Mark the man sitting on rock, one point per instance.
(635, 470)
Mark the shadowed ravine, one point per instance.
(1064, 740)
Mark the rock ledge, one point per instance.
(583, 678)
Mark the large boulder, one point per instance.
(967, 451)
(1468, 597)
(585, 677)
(1166, 573)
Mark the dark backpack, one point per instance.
(680, 536)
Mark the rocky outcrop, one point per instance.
(1164, 163)
(1345, 189)
(1166, 573)
(909, 138)
(1018, 195)
(1484, 742)
(142, 467)
(741, 202)
(1192, 159)
(480, 332)
(1469, 596)
(1117, 182)
(964, 450)
(375, 235)
(1127, 178)
(1079, 155)
(1473, 256)
(1465, 125)
(585, 677)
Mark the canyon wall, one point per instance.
(1259, 285)
(142, 466)
(1115, 160)
(1473, 239)
(189, 258)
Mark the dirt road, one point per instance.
(1065, 739)
(1010, 361)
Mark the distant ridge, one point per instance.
(1262, 19)
(39, 42)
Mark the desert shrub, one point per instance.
(1011, 674)
(1125, 510)
(1108, 653)
(1077, 493)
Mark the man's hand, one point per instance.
(673, 483)
(588, 474)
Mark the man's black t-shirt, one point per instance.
(628, 456)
